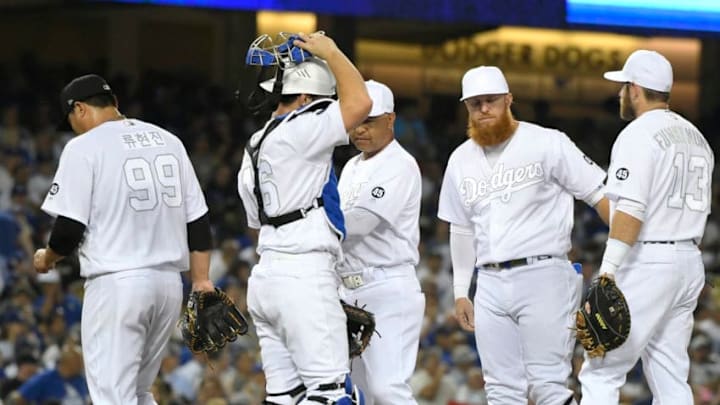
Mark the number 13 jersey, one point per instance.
(661, 160)
(132, 185)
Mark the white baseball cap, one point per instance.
(483, 80)
(382, 98)
(647, 69)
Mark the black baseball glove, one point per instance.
(603, 322)
(210, 320)
(360, 328)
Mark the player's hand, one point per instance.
(611, 276)
(40, 261)
(317, 44)
(205, 285)
(465, 314)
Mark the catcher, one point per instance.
(210, 320)
(289, 190)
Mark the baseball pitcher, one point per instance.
(659, 187)
(125, 192)
(380, 199)
(290, 193)
(508, 194)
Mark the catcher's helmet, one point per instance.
(311, 76)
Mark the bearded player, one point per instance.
(508, 194)
(660, 185)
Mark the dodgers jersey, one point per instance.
(132, 185)
(523, 205)
(389, 186)
(661, 160)
(295, 163)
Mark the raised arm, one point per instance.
(352, 94)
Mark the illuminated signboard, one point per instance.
(320, 6)
(683, 15)
(538, 13)
(644, 16)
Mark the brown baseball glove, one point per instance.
(360, 328)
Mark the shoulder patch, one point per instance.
(378, 192)
(54, 189)
(622, 174)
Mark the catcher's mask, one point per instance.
(296, 72)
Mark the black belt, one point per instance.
(666, 242)
(514, 263)
(294, 215)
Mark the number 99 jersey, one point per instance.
(661, 160)
(132, 185)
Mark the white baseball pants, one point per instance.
(301, 326)
(524, 320)
(127, 319)
(661, 284)
(383, 370)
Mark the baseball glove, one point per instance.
(360, 328)
(210, 320)
(603, 322)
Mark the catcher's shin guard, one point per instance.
(291, 397)
(350, 394)
(356, 395)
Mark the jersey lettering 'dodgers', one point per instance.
(508, 194)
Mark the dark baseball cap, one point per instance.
(19, 189)
(80, 89)
(26, 357)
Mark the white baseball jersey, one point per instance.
(132, 185)
(523, 205)
(389, 186)
(295, 163)
(661, 160)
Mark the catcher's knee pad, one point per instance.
(291, 397)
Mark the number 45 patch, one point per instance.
(622, 173)
(378, 192)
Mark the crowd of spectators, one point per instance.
(40, 356)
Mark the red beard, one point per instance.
(495, 133)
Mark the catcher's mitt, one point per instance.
(603, 322)
(210, 320)
(360, 328)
